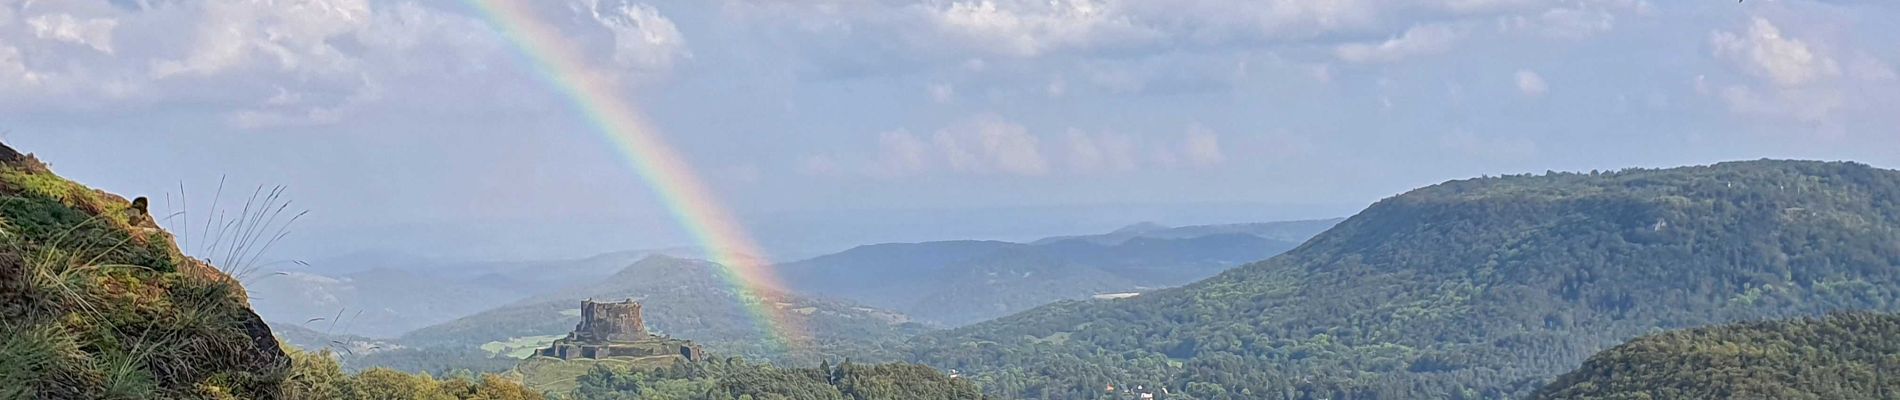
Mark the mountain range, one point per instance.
(1478, 288)
(686, 298)
(959, 282)
(386, 295)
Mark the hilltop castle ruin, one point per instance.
(609, 330)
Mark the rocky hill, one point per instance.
(97, 302)
(1480, 288)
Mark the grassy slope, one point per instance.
(97, 302)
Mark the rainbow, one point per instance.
(694, 207)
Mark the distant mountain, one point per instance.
(960, 282)
(1843, 356)
(683, 298)
(1480, 288)
(1286, 231)
(530, 276)
(890, 275)
(375, 303)
(385, 294)
(311, 337)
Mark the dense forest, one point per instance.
(1480, 288)
(1842, 356)
(733, 379)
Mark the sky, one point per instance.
(414, 126)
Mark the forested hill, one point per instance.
(1844, 356)
(1480, 288)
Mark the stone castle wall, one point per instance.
(617, 330)
(611, 322)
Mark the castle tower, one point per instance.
(610, 323)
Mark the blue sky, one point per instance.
(412, 124)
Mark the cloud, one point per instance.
(1793, 78)
(1417, 41)
(1105, 152)
(1201, 147)
(641, 38)
(981, 145)
(942, 93)
(854, 38)
(266, 63)
(1530, 83)
(1031, 28)
(1764, 52)
(14, 73)
(95, 33)
(989, 144)
(986, 144)
(1577, 20)
(900, 154)
(292, 37)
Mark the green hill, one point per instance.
(97, 302)
(1843, 356)
(1480, 288)
(955, 283)
(682, 298)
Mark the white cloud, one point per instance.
(265, 63)
(1201, 147)
(1764, 52)
(900, 154)
(293, 36)
(95, 33)
(1530, 83)
(14, 73)
(991, 145)
(1787, 77)
(1417, 41)
(642, 38)
(1106, 152)
(894, 36)
(1030, 28)
(942, 93)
